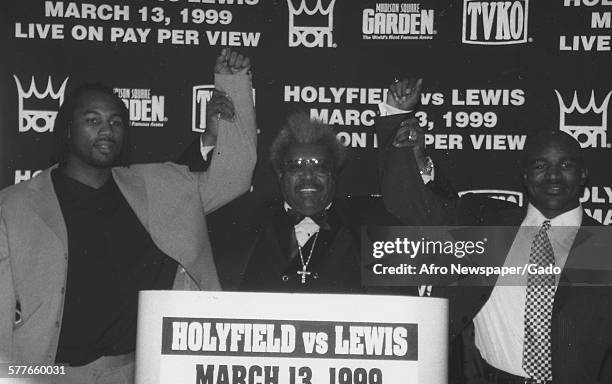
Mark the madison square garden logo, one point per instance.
(146, 109)
(311, 25)
(495, 22)
(38, 108)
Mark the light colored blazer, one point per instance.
(169, 201)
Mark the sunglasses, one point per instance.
(317, 166)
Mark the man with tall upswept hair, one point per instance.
(309, 242)
(80, 240)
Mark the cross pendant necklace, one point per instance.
(304, 272)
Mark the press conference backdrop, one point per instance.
(495, 72)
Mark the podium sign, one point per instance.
(248, 338)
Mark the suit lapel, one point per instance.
(326, 239)
(284, 235)
(45, 204)
(133, 188)
(570, 274)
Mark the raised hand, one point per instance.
(405, 94)
(230, 62)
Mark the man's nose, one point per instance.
(553, 173)
(307, 172)
(106, 128)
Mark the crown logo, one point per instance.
(40, 120)
(586, 135)
(308, 35)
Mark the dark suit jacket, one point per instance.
(274, 259)
(582, 315)
(263, 249)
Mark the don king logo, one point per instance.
(39, 119)
(592, 135)
(309, 32)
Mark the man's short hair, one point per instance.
(539, 140)
(63, 122)
(301, 129)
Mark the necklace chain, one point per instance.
(304, 272)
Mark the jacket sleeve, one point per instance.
(192, 157)
(232, 163)
(404, 193)
(7, 297)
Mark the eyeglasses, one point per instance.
(318, 166)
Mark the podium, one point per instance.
(187, 337)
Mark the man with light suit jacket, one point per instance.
(80, 240)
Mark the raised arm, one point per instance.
(404, 166)
(233, 136)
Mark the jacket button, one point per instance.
(63, 290)
(285, 278)
(57, 324)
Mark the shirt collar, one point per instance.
(535, 218)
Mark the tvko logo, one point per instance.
(200, 96)
(310, 31)
(500, 194)
(495, 22)
(591, 133)
(42, 109)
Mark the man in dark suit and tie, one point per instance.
(539, 328)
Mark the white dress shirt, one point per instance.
(305, 228)
(205, 149)
(500, 327)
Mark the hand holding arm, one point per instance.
(233, 122)
(405, 94)
(404, 192)
(218, 107)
